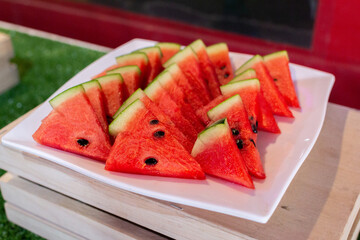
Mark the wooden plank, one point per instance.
(69, 214)
(309, 209)
(6, 48)
(37, 225)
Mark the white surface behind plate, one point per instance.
(282, 154)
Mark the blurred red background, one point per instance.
(333, 47)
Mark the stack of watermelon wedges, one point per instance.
(170, 111)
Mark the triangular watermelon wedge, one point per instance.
(189, 64)
(201, 113)
(168, 50)
(207, 67)
(218, 155)
(131, 75)
(154, 66)
(219, 56)
(97, 100)
(260, 115)
(278, 65)
(178, 135)
(158, 153)
(113, 89)
(168, 83)
(163, 100)
(139, 59)
(73, 126)
(234, 110)
(191, 95)
(268, 88)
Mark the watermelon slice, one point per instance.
(218, 155)
(168, 83)
(278, 65)
(113, 89)
(207, 67)
(168, 50)
(154, 66)
(219, 56)
(163, 100)
(96, 97)
(247, 74)
(131, 75)
(139, 94)
(260, 115)
(73, 126)
(189, 64)
(268, 88)
(139, 59)
(201, 113)
(191, 95)
(234, 110)
(158, 153)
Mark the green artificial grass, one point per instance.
(44, 65)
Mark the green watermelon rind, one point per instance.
(233, 86)
(109, 78)
(210, 134)
(125, 117)
(90, 84)
(147, 50)
(122, 70)
(164, 77)
(65, 95)
(136, 55)
(136, 95)
(153, 88)
(169, 45)
(216, 48)
(197, 45)
(249, 63)
(276, 55)
(224, 106)
(247, 74)
(180, 55)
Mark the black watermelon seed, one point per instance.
(235, 132)
(254, 128)
(251, 118)
(159, 134)
(154, 122)
(151, 161)
(275, 79)
(239, 144)
(83, 142)
(253, 142)
(226, 75)
(223, 67)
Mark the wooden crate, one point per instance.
(8, 72)
(322, 202)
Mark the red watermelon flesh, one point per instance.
(165, 119)
(268, 88)
(191, 97)
(155, 67)
(131, 75)
(218, 155)
(168, 83)
(258, 111)
(265, 117)
(219, 56)
(96, 98)
(168, 50)
(163, 100)
(234, 110)
(189, 64)
(158, 153)
(113, 89)
(207, 67)
(73, 126)
(136, 58)
(278, 65)
(202, 112)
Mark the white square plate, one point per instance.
(282, 154)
